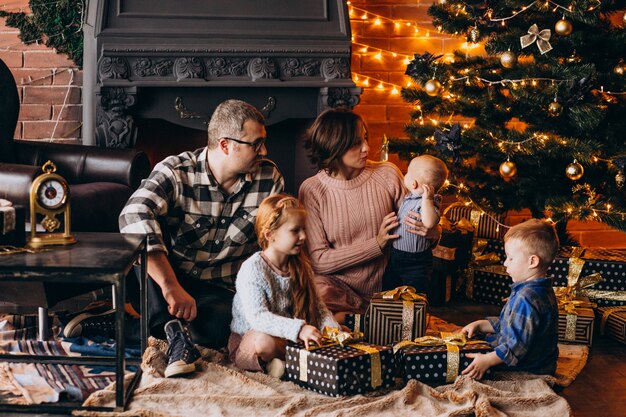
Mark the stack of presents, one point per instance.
(390, 341)
(590, 284)
(387, 342)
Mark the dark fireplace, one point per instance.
(154, 71)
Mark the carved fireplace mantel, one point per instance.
(177, 60)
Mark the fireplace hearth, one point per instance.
(154, 71)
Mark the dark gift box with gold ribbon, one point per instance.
(613, 322)
(576, 320)
(395, 315)
(489, 284)
(610, 263)
(335, 369)
(357, 322)
(600, 281)
(438, 360)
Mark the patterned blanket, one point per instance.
(22, 383)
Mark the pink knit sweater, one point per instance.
(343, 221)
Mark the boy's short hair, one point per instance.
(538, 237)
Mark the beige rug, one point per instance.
(222, 390)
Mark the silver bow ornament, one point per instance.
(542, 38)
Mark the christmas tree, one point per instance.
(542, 121)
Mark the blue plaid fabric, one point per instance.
(526, 333)
(211, 233)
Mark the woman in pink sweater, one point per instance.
(352, 204)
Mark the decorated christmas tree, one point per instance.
(536, 122)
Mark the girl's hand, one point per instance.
(390, 222)
(309, 334)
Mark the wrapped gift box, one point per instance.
(338, 371)
(430, 364)
(357, 323)
(610, 263)
(576, 328)
(613, 322)
(391, 321)
(487, 225)
(489, 284)
(12, 229)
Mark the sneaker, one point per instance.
(92, 323)
(275, 368)
(182, 353)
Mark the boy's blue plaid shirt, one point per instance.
(526, 333)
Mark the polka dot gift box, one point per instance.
(437, 364)
(339, 371)
(609, 263)
(490, 284)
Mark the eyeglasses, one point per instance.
(256, 145)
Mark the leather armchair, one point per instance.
(101, 179)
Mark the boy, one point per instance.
(411, 258)
(526, 334)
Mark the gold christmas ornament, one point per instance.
(432, 87)
(508, 59)
(619, 68)
(555, 109)
(574, 171)
(563, 27)
(508, 169)
(620, 179)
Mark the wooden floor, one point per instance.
(599, 390)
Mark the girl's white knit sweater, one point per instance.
(262, 302)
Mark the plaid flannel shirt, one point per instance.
(526, 334)
(183, 211)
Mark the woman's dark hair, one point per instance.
(331, 135)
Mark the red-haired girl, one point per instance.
(276, 299)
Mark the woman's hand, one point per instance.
(309, 334)
(390, 222)
(417, 228)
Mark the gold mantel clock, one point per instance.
(49, 197)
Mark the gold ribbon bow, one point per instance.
(452, 341)
(542, 38)
(331, 336)
(569, 298)
(408, 296)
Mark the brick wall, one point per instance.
(386, 113)
(45, 80)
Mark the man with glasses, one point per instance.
(198, 211)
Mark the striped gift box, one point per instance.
(486, 224)
(576, 328)
(390, 320)
(613, 322)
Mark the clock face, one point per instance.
(51, 194)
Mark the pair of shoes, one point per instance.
(275, 368)
(98, 320)
(182, 353)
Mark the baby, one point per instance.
(411, 258)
